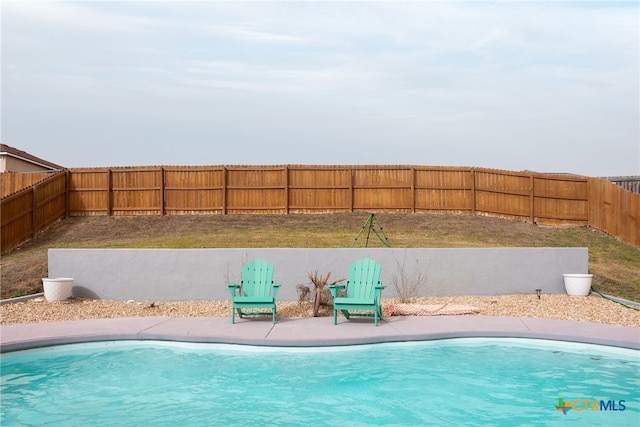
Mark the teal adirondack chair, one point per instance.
(362, 292)
(255, 290)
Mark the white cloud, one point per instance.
(71, 17)
(247, 34)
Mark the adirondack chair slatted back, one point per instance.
(257, 278)
(364, 276)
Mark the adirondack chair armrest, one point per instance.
(335, 288)
(276, 288)
(233, 288)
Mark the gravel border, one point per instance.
(593, 308)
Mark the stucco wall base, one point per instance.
(203, 274)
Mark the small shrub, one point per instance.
(406, 285)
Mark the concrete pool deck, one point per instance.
(315, 331)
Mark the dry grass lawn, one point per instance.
(615, 265)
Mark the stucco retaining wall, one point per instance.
(202, 274)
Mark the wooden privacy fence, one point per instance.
(12, 182)
(537, 198)
(631, 183)
(29, 211)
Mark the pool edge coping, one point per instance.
(312, 332)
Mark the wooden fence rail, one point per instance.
(169, 190)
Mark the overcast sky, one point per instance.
(548, 86)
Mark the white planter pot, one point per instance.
(578, 285)
(57, 289)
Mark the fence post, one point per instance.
(109, 192)
(413, 189)
(473, 191)
(532, 197)
(224, 190)
(286, 189)
(67, 191)
(590, 215)
(162, 189)
(34, 204)
(353, 173)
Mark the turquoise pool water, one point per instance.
(446, 382)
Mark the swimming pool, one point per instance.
(470, 381)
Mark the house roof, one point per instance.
(23, 155)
